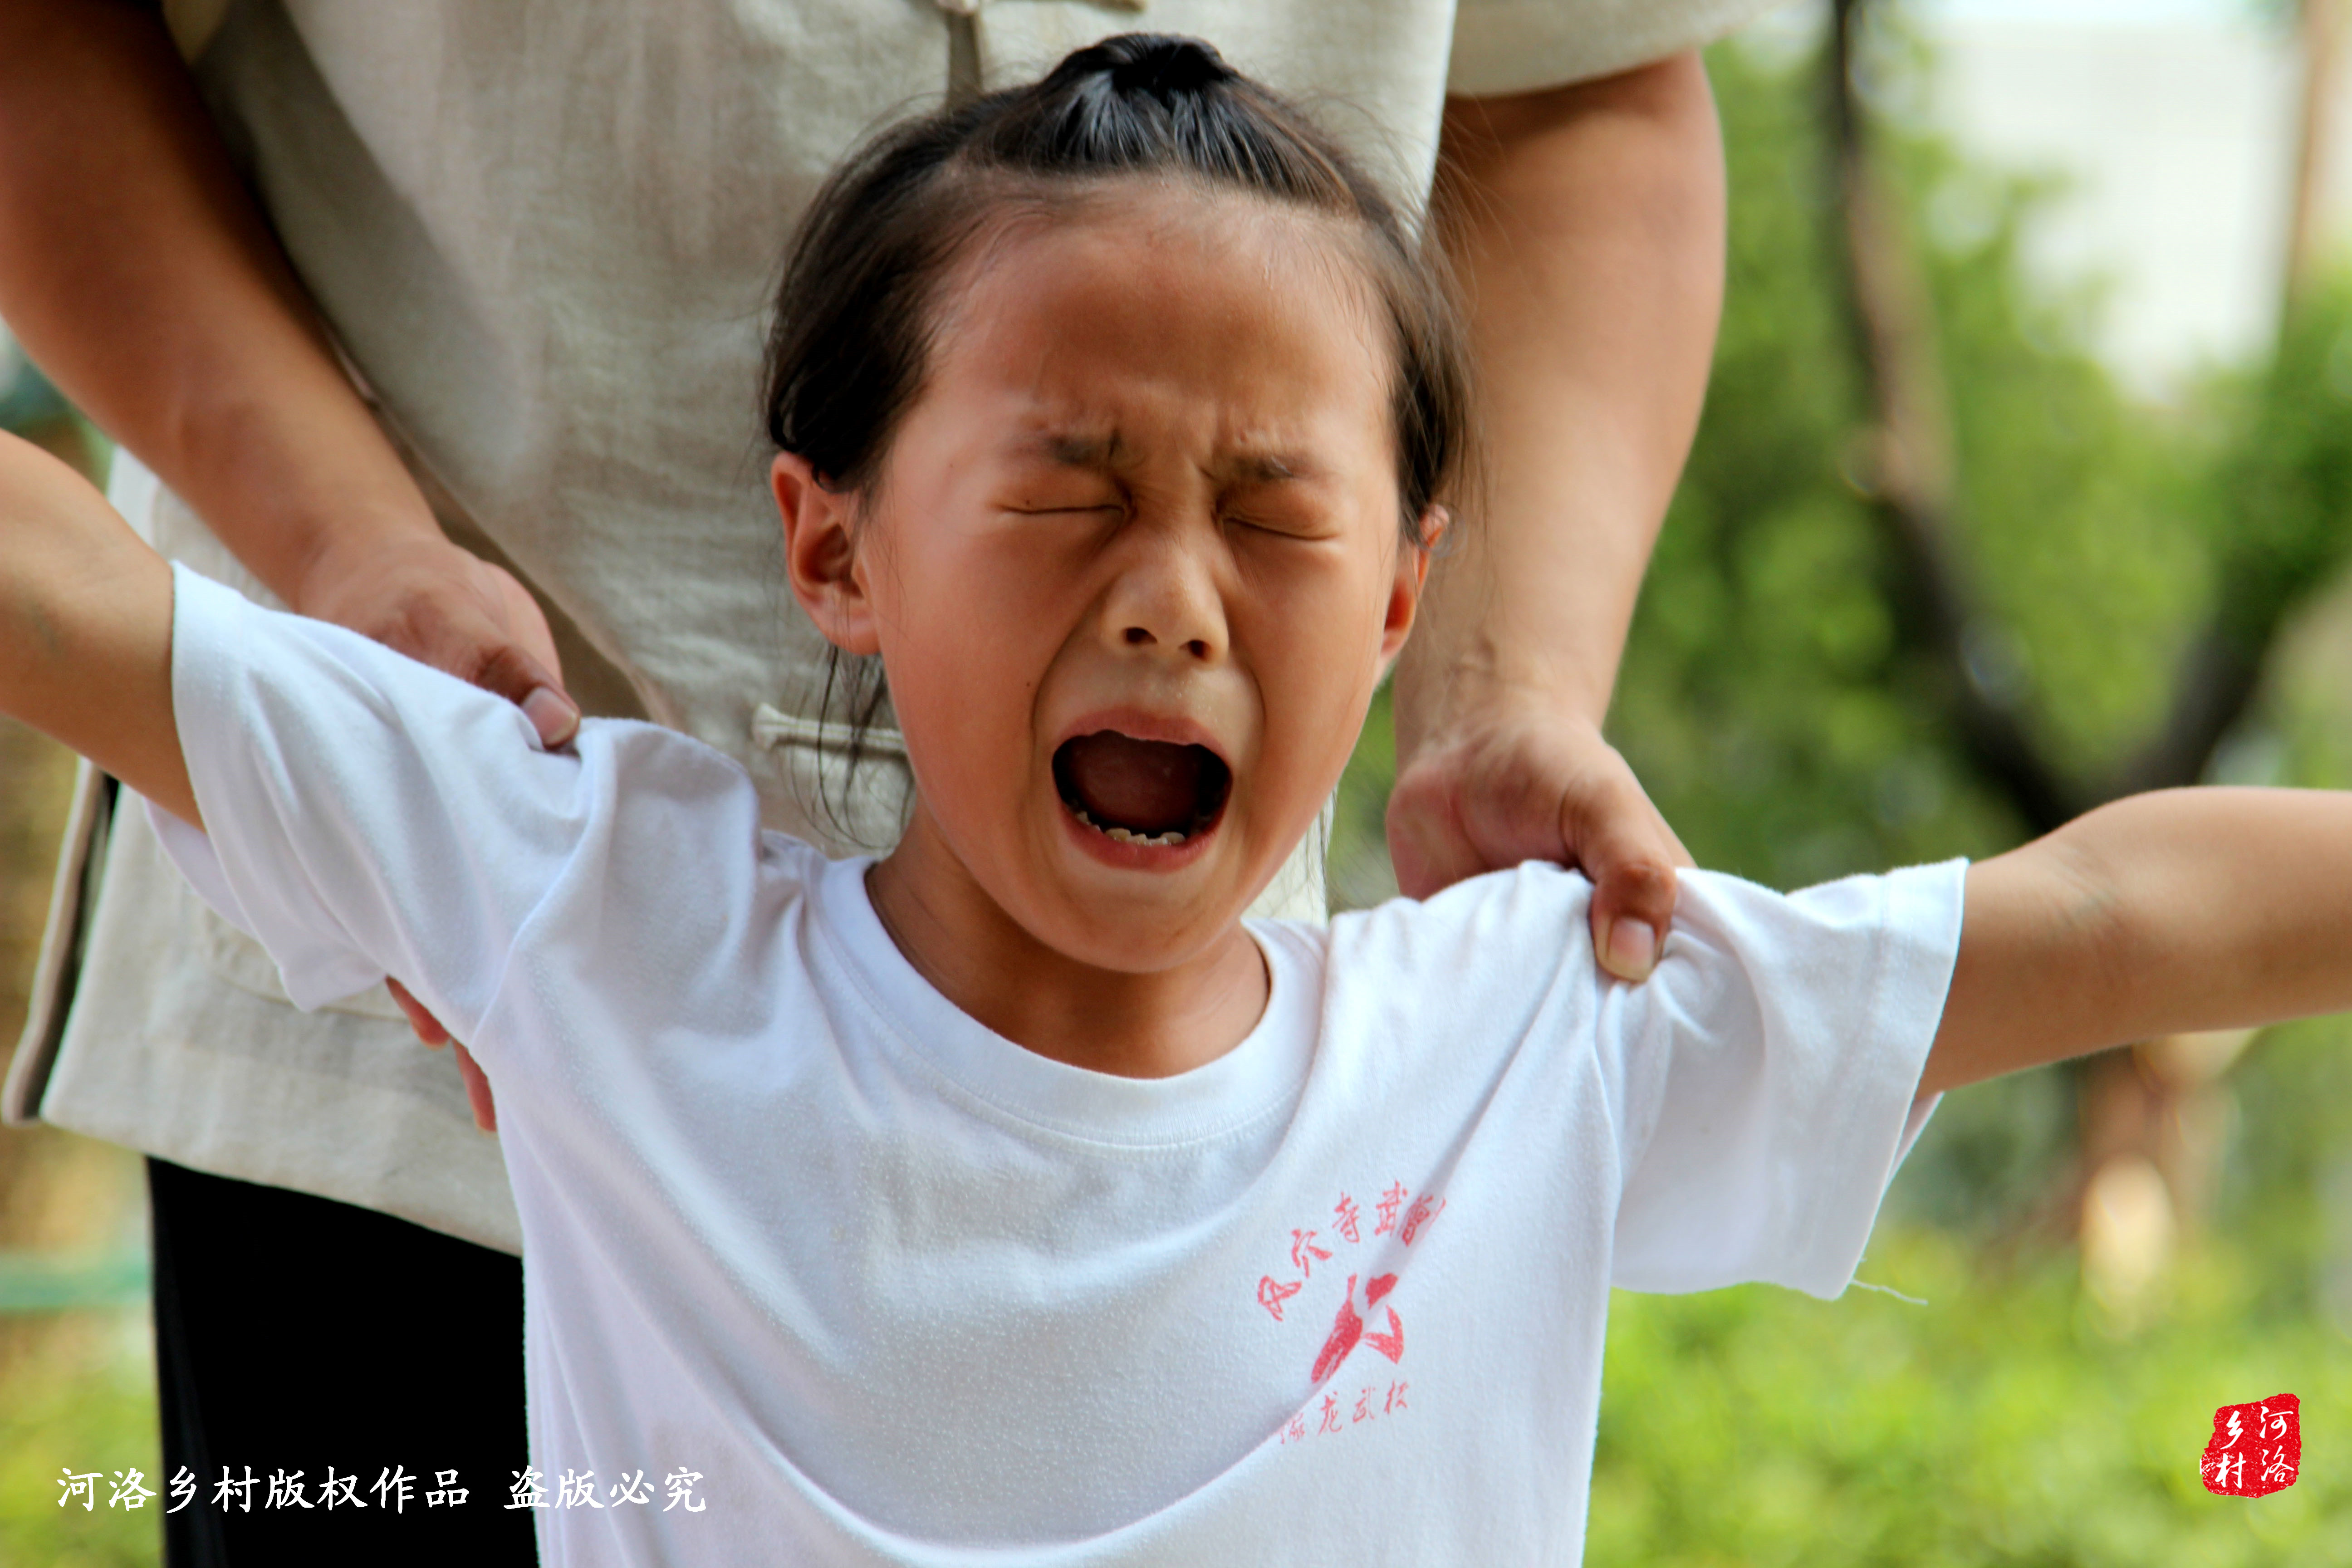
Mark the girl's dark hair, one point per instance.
(857, 310)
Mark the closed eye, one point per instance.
(1110, 506)
(1279, 527)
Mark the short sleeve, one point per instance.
(364, 816)
(1770, 1068)
(1518, 45)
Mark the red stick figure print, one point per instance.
(1304, 1252)
(1390, 1201)
(1272, 1293)
(1389, 1345)
(1345, 1330)
(1346, 1209)
(1348, 1328)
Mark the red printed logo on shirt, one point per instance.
(2256, 1449)
(1347, 1330)
(1364, 1317)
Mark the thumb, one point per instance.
(525, 682)
(1632, 910)
(1630, 854)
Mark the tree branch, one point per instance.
(1890, 326)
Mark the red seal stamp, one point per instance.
(2256, 1449)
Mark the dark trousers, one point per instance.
(293, 1333)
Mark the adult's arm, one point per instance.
(1586, 226)
(135, 267)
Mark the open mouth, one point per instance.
(1141, 791)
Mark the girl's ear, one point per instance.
(821, 555)
(1412, 574)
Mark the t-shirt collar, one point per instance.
(1259, 1078)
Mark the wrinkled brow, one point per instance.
(1094, 453)
(1101, 453)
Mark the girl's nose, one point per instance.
(1166, 599)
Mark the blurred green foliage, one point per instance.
(77, 1395)
(1998, 1423)
(1773, 695)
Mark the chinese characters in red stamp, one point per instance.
(1398, 1211)
(2256, 1449)
(1371, 1405)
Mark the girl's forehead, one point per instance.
(1163, 249)
(1168, 293)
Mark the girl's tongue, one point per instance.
(1144, 786)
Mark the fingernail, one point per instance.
(1632, 949)
(552, 714)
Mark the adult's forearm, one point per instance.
(136, 269)
(1586, 226)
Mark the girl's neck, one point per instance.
(1153, 1024)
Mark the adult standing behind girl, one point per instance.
(541, 235)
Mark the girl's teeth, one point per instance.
(1166, 840)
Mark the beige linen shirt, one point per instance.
(545, 235)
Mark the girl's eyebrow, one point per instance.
(1269, 467)
(1098, 454)
(1094, 453)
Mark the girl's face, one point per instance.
(1132, 566)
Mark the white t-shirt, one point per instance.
(900, 1292)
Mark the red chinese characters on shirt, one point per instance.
(2256, 1449)
(1364, 1317)
(1272, 1293)
(1371, 1405)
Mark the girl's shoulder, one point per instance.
(1526, 931)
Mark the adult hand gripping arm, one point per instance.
(1586, 226)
